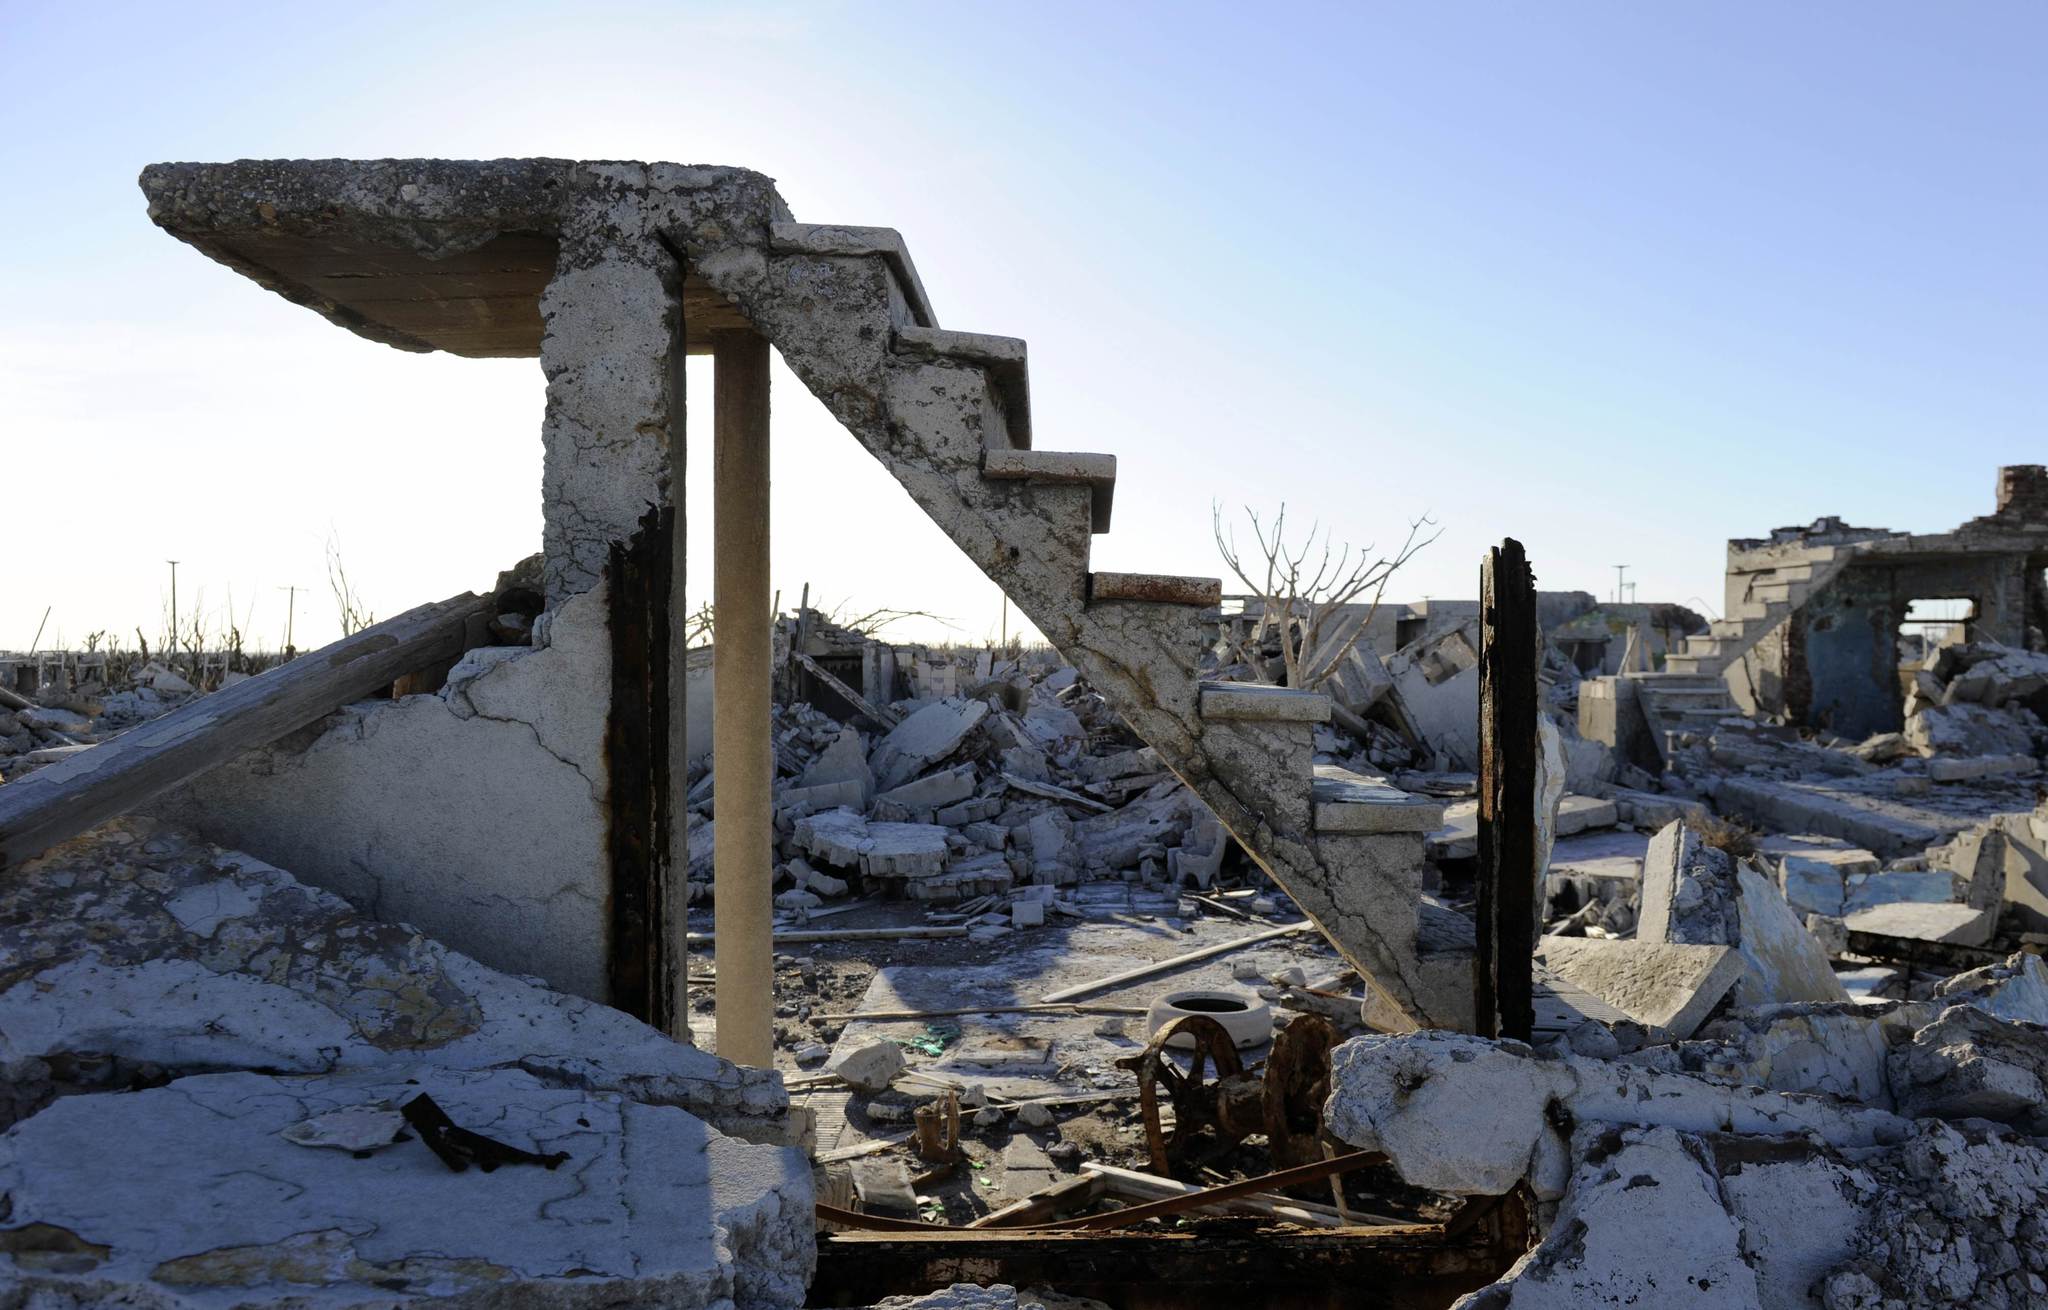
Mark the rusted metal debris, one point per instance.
(1217, 1098)
(459, 1148)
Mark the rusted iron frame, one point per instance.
(1312, 1172)
(1504, 970)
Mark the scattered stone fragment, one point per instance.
(870, 1066)
(1669, 989)
(1965, 925)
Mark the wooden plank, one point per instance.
(1133, 1185)
(1508, 745)
(887, 718)
(1163, 966)
(1064, 1196)
(847, 934)
(64, 799)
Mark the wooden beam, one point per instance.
(1504, 978)
(882, 717)
(64, 799)
(1162, 966)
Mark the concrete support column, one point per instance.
(741, 727)
(675, 892)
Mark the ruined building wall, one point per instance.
(1834, 663)
(482, 814)
(477, 814)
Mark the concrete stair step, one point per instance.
(1352, 802)
(1157, 589)
(1096, 472)
(839, 239)
(1256, 701)
(1003, 357)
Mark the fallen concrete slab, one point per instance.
(139, 952)
(1963, 925)
(190, 1195)
(1668, 989)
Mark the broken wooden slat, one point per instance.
(1162, 966)
(1133, 1185)
(1508, 747)
(1064, 1196)
(846, 934)
(64, 799)
(887, 718)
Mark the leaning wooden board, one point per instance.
(61, 800)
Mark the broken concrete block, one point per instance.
(1049, 837)
(1970, 1065)
(1465, 1115)
(1927, 887)
(145, 949)
(1962, 769)
(869, 1066)
(903, 850)
(1823, 1048)
(1643, 1222)
(1690, 895)
(834, 836)
(845, 760)
(651, 1206)
(884, 1187)
(932, 791)
(1972, 730)
(923, 739)
(1669, 989)
(2016, 989)
(1965, 925)
(1027, 914)
(1813, 872)
(1694, 894)
(796, 802)
(1784, 962)
(1582, 813)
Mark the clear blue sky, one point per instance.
(1620, 280)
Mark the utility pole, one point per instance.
(290, 606)
(173, 651)
(1619, 569)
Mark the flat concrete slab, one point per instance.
(1353, 802)
(1250, 700)
(189, 1195)
(1668, 989)
(1963, 925)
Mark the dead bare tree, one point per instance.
(348, 606)
(1305, 588)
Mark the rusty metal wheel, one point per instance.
(1297, 1079)
(1197, 1096)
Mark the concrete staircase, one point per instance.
(1759, 600)
(948, 414)
(1682, 703)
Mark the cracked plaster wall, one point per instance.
(477, 814)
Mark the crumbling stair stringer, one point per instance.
(931, 418)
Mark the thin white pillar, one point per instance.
(742, 734)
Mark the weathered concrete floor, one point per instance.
(187, 1195)
(243, 1002)
(139, 951)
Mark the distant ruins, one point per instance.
(1546, 953)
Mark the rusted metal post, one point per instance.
(1504, 999)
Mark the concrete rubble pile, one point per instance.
(207, 1067)
(73, 712)
(997, 799)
